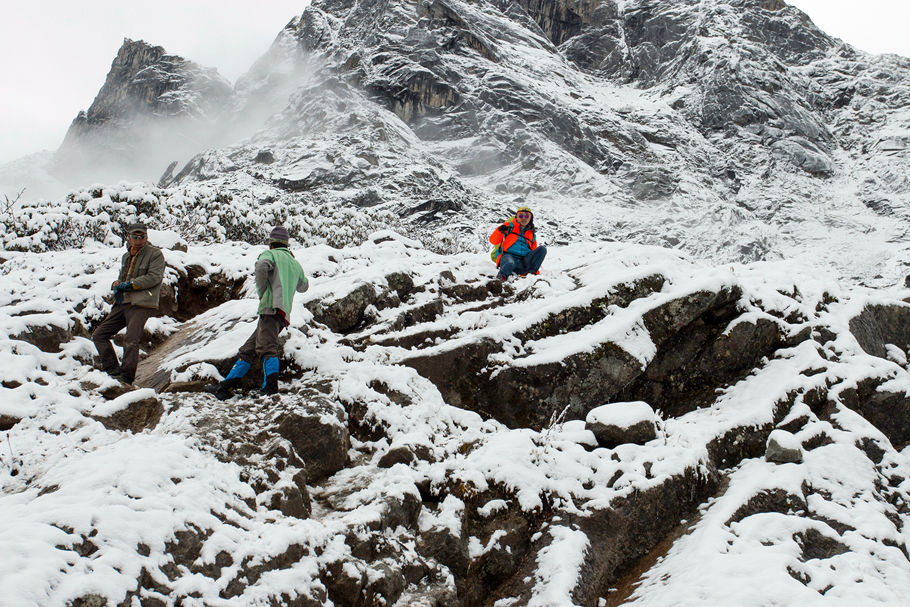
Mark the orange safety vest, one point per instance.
(504, 241)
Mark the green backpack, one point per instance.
(498, 248)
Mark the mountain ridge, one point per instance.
(700, 126)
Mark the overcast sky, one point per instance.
(54, 55)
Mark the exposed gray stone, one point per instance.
(318, 432)
(619, 423)
(878, 325)
(783, 448)
(344, 313)
(136, 416)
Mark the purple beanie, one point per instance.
(280, 234)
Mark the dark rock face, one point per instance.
(815, 545)
(619, 535)
(145, 81)
(197, 291)
(776, 500)
(780, 449)
(346, 312)
(532, 395)
(879, 325)
(136, 417)
(696, 355)
(8, 421)
(887, 411)
(323, 446)
(50, 337)
(563, 20)
(609, 435)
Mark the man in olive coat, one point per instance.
(136, 292)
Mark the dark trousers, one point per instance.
(264, 340)
(527, 264)
(122, 315)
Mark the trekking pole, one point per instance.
(13, 471)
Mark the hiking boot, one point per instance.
(502, 278)
(122, 376)
(271, 385)
(113, 371)
(222, 390)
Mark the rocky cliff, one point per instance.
(147, 96)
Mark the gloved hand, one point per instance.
(123, 286)
(504, 229)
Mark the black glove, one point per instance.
(504, 229)
(123, 286)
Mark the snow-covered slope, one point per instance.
(723, 191)
(390, 493)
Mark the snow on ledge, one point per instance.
(123, 401)
(622, 415)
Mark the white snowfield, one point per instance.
(64, 476)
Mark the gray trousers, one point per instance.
(122, 315)
(264, 340)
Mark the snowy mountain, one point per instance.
(732, 130)
(702, 399)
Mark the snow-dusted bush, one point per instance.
(198, 214)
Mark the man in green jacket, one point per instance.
(278, 276)
(136, 292)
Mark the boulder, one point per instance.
(783, 448)
(344, 313)
(316, 427)
(879, 325)
(442, 544)
(133, 411)
(886, 410)
(48, 337)
(397, 455)
(401, 283)
(623, 422)
(8, 421)
(816, 545)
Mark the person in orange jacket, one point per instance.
(517, 250)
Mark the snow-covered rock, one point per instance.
(430, 501)
(783, 448)
(619, 423)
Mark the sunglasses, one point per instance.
(523, 215)
(137, 236)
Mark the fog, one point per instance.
(54, 54)
(138, 145)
